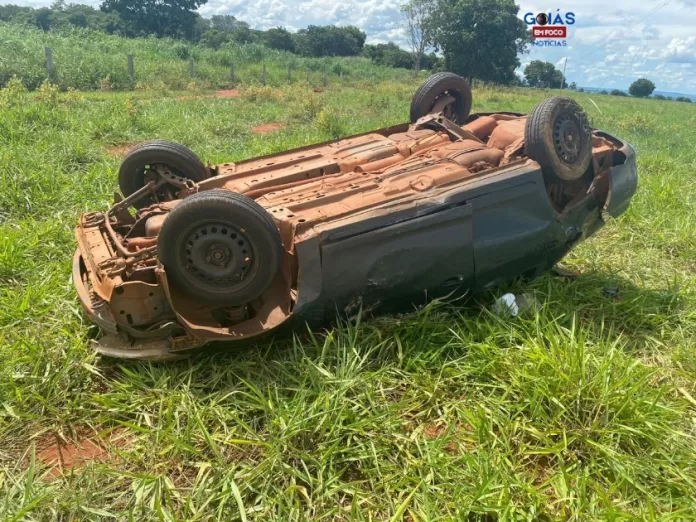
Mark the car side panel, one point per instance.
(514, 230)
(408, 261)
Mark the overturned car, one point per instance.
(447, 203)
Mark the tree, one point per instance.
(659, 97)
(279, 38)
(389, 55)
(617, 92)
(225, 23)
(573, 86)
(214, 39)
(683, 99)
(176, 18)
(604, 91)
(44, 18)
(432, 62)
(543, 74)
(641, 88)
(581, 89)
(416, 14)
(330, 40)
(479, 38)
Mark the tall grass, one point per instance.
(86, 60)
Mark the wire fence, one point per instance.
(252, 74)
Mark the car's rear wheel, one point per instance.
(559, 138)
(153, 160)
(443, 92)
(220, 247)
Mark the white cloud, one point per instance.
(680, 50)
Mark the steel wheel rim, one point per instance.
(217, 255)
(566, 139)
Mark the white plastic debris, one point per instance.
(506, 305)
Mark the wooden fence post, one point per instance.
(191, 68)
(232, 72)
(307, 75)
(326, 78)
(289, 72)
(131, 67)
(49, 60)
(263, 74)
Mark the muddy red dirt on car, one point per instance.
(447, 203)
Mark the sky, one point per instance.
(610, 45)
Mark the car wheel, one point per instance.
(148, 160)
(558, 137)
(220, 247)
(443, 92)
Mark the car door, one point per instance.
(399, 263)
(515, 230)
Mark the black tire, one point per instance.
(558, 137)
(181, 160)
(436, 86)
(220, 247)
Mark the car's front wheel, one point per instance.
(220, 247)
(558, 137)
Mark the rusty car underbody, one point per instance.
(378, 220)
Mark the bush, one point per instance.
(684, 99)
(182, 52)
(47, 93)
(330, 124)
(617, 92)
(13, 94)
(659, 97)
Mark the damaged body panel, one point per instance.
(380, 221)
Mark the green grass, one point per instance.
(580, 411)
(87, 60)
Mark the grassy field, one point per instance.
(89, 60)
(583, 410)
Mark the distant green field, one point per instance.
(584, 410)
(89, 60)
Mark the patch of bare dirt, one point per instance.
(62, 456)
(318, 89)
(227, 93)
(459, 442)
(120, 150)
(433, 431)
(267, 127)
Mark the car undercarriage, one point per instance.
(448, 203)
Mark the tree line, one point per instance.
(178, 19)
(476, 38)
